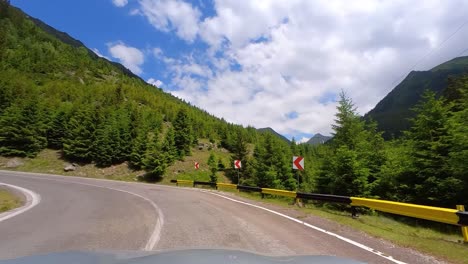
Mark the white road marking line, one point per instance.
(352, 242)
(156, 234)
(32, 199)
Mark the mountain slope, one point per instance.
(67, 39)
(273, 132)
(393, 111)
(318, 139)
(56, 93)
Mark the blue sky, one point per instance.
(272, 63)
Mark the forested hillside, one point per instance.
(392, 113)
(55, 95)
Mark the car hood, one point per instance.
(194, 256)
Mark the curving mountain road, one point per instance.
(90, 214)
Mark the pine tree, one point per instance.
(346, 173)
(106, 149)
(221, 165)
(431, 182)
(139, 145)
(22, 130)
(168, 146)
(56, 131)
(213, 167)
(182, 133)
(79, 139)
(155, 160)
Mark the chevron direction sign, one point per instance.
(237, 164)
(298, 163)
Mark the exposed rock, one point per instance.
(69, 167)
(14, 162)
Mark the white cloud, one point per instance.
(120, 3)
(276, 57)
(303, 140)
(130, 57)
(166, 15)
(155, 82)
(97, 52)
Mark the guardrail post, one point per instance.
(354, 212)
(463, 228)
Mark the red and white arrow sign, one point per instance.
(197, 165)
(237, 164)
(298, 163)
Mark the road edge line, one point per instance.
(347, 240)
(155, 235)
(32, 199)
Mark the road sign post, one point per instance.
(237, 166)
(197, 165)
(298, 164)
(463, 228)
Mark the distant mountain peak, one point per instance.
(318, 139)
(272, 131)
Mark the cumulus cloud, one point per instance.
(130, 57)
(155, 82)
(269, 58)
(120, 3)
(166, 15)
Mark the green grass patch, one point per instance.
(185, 169)
(8, 201)
(51, 162)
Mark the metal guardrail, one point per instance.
(212, 184)
(437, 214)
(324, 197)
(226, 185)
(279, 192)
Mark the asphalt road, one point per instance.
(89, 214)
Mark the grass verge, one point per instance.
(443, 245)
(8, 201)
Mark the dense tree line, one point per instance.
(60, 96)
(427, 166)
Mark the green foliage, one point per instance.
(79, 140)
(221, 165)
(357, 156)
(182, 133)
(213, 167)
(169, 147)
(22, 130)
(155, 160)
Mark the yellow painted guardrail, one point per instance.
(279, 192)
(226, 185)
(444, 215)
(185, 181)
